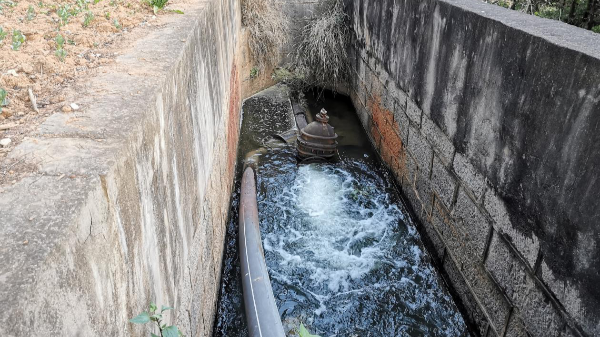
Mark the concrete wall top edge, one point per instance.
(554, 31)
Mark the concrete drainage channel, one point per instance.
(341, 249)
(126, 201)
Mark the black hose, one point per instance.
(262, 315)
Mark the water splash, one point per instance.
(335, 235)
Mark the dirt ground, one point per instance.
(94, 32)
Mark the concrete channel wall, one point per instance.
(127, 200)
(489, 119)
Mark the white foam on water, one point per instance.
(338, 236)
(331, 239)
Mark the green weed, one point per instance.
(2, 34)
(117, 24)
(17, 39)
(154, 316)
(89, 17)
(303, 332)
(64, 13)
(156, 4)
(82, 5)
(253, 72)
(60, 52)
(30, 13)
(2, 98)
(6, 3)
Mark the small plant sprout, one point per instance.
(40, 4)
(2, 34)
(253, 72)
(30, 13)
(107, 15)
(64, 13)
(7, 3)
(156, 4)
(82, 5)
(96, 2)
(2, 98)
(60, 52)
(88, 18)
(17, 39)
(154, 316)
(303, 332)
(117, 24)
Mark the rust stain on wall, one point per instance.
(385, 132)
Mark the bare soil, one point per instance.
(36, 65)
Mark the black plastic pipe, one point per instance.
(262, 315)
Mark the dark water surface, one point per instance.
(344, 256)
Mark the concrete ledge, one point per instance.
(128, 199)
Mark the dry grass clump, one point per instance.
(321, 57)
(268, 30)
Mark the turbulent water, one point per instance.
(343, 255)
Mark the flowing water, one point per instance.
(344, 256)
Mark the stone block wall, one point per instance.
(488, 119)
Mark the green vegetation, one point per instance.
(2, 98)
(156, 4)
(267, 28)
(82, 5)
(5, 4)
(64, 14)
(2, 34)
(303, 332)
(117, 24)
(60, 52)
(156, 317)
(253, 72)
(580, 13)
(88, 18)
(17, 39)
(30, 13)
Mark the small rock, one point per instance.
(75, 106)
(66, 109)
(7, 113)
(20, 113)
(57, 99)
(25, 242)
(27, 68)
(12, 72)
(5, 142)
